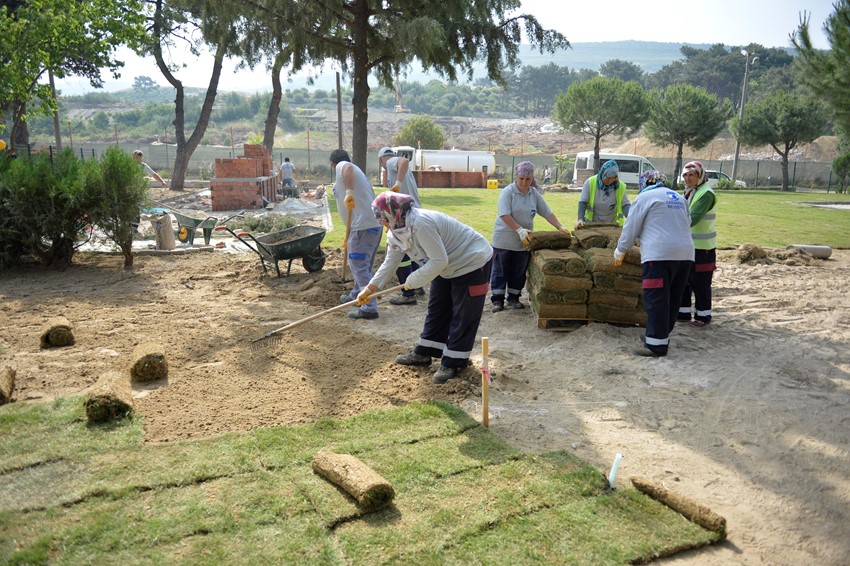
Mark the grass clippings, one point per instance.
(78, 494)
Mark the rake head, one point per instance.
(271, 339)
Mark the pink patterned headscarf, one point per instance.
(696, 167)
(392, 208)
(526, 169)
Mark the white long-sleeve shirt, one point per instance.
(441, 245)
(659, 217)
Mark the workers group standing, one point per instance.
(702, 206)
(353, 189)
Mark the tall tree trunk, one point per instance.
(20, 135)
(675, 180)
(360, 98)
(274, 105)
(187, 146)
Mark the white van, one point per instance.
(631, 166)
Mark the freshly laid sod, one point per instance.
(770, 219)
(74, 494)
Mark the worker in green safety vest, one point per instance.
(702, 205)
(603, 197)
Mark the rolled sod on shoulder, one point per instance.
(111, 398)
(7, 384)
(149, 363)
(57, 332)
(693, 511)
(548, 240)
(356, 478)
(558, 262)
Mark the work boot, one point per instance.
(444, 374)
(365, 315)
(420, 292)
(646, 352)
(413, 359)
(515, 305)
(403, 300)
(498, 307)
(345, 298)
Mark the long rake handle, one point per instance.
(345, 244)
(263, 340)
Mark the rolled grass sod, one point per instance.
(76, 493)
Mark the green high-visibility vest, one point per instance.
(621, 191)
(704, 232)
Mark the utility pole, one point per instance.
(747, 64)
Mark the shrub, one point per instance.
(116, 189)
(44, 208)
(727, 184)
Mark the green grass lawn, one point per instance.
(768, 218)
(75, 494)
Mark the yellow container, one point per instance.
(492, 183)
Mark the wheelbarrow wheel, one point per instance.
(183, 234)
(313, 262)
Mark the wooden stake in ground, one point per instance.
(693, 511)
(7, 384)
(485, 382)
(57, 332)
(110, 399)
(357, 479)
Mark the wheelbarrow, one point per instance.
(187, 224)
(289, 244)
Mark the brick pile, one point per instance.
(244, 181)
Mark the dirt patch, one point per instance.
(748, 416)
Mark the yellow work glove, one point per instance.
(365, 295)
(618, 258)
(349, 200)
(395, 188)
(524, 235)
(564, 230)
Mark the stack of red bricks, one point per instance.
(244, 181)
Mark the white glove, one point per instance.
(579, 224)
(523, 234)
(618, 257)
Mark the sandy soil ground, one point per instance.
(750, 415)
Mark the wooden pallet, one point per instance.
(560, 325)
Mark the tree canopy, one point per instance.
(65, 38)
(420, 131)
(601, 106)
(682, 115)
(826, 71)
(783, 121)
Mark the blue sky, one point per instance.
(731, 22)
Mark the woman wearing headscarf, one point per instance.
(603, 197)
(659, 217)
(518, 204)
(455, 260)
(702, 205)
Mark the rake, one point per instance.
(275, 336)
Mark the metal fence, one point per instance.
(314, 164)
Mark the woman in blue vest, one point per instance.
(603, 197)
(702, 205)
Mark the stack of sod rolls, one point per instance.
(580, 282)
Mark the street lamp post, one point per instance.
(747, 64)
